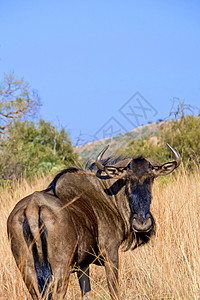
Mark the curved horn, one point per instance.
(99, 157)
(176, 154)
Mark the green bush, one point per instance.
(29, 148)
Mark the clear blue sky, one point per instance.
(88, 58)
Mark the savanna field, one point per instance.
(168, 267)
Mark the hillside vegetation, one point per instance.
(91, 150)
(151, 139)
(166, 268)
(183, 134)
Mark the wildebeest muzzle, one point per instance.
(142, 223)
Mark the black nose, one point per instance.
(141, 217)
(142, 223)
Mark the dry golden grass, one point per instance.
(166, 268)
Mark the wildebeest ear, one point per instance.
(165, 169)
(160, 169)
(115, 172)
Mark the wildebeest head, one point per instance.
(138, 175)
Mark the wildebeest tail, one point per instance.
(35, 235)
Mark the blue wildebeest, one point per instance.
(81, 218)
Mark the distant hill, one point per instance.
(91, 150)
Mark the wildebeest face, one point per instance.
(139, 180)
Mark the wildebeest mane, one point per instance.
(89, 166)
(110, 160)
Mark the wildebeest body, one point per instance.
(93, 211)
(81, 218)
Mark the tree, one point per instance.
(184, 135)
(30, 148)
(17, 101)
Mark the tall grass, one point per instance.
(168, 267)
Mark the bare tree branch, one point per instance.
(179, 108)
(17, 101)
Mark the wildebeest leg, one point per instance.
(84, 280)
(22, 255)
(111, 267)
